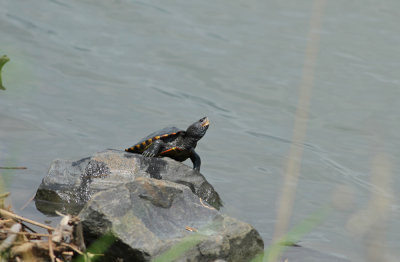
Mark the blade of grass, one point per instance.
(294, 235)
(174, 252)
(96, 249)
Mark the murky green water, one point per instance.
(89, 75)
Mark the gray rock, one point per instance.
(70, 184)
(148, 217)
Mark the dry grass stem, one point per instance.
(28, 202)
(204, 205)
(19, 245)
(293, 165)
(4, 195)
(13, 167)
(8, 214)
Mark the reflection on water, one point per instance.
(109, 73)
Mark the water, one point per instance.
(89, 75)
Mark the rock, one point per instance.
(145, 207)
(148, 217)
(70, 184)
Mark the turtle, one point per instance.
(174, 143)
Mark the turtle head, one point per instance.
(198, 129)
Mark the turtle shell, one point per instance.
(166, 134)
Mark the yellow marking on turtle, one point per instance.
(171, 149)
(132, 148)
(146, 143)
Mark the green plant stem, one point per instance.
(294, 235)
(3, 60)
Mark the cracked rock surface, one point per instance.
(70, 184)
(147, 217)
(144, 207)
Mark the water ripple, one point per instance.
(201, 100)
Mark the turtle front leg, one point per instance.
(154, 149)
(196, 160)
